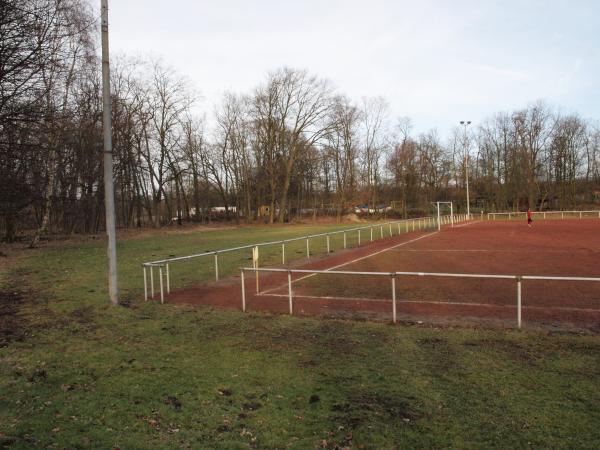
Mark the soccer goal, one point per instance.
(445, 205)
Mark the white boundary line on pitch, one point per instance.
(434, 302)
(353, 261)
(466, 224)
(487, 251)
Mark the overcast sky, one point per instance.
(435, 61)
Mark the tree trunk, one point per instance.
(48, 193)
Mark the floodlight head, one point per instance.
(469, 122)
(462, 122)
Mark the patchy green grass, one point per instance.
(77, 373)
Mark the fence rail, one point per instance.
(386, 229)
(544, 214)
(393, 275)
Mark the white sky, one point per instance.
(435, 61)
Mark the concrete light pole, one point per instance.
(465, 124)
(109, 194)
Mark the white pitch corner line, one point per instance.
(353, 261)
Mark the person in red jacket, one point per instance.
(529, 217)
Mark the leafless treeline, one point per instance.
(293, 146)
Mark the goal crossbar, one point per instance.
(437, 204)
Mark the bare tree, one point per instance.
(342, 142)
(566, 155)
(533, 130)
(373, 116)
(289, 111)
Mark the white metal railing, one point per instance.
(393, 275)
(544, 214)
(402, 226)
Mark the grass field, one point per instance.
(76, 373)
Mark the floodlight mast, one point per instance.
(109, 194)
(465, 124)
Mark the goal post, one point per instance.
(439, 205)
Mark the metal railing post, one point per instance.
(328, 250)
(394, 298)
(168, 280)
(243, 290)
(398, 228)
(381, 230)
(162, 294)
(371, 233)
(344, 239)
(283, 252)
(145, 286)
(152, 281)
(359, 238)
(519, 302)
(390, 229)
(307, 249)
(290, 290)
(216, 266)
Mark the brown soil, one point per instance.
(555, 248)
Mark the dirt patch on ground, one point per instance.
(364, 407)
(584, 348)
(24, 311)
(433, 343)
(11, 322)
(506, 349)
(352, 218)
(84, 317)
